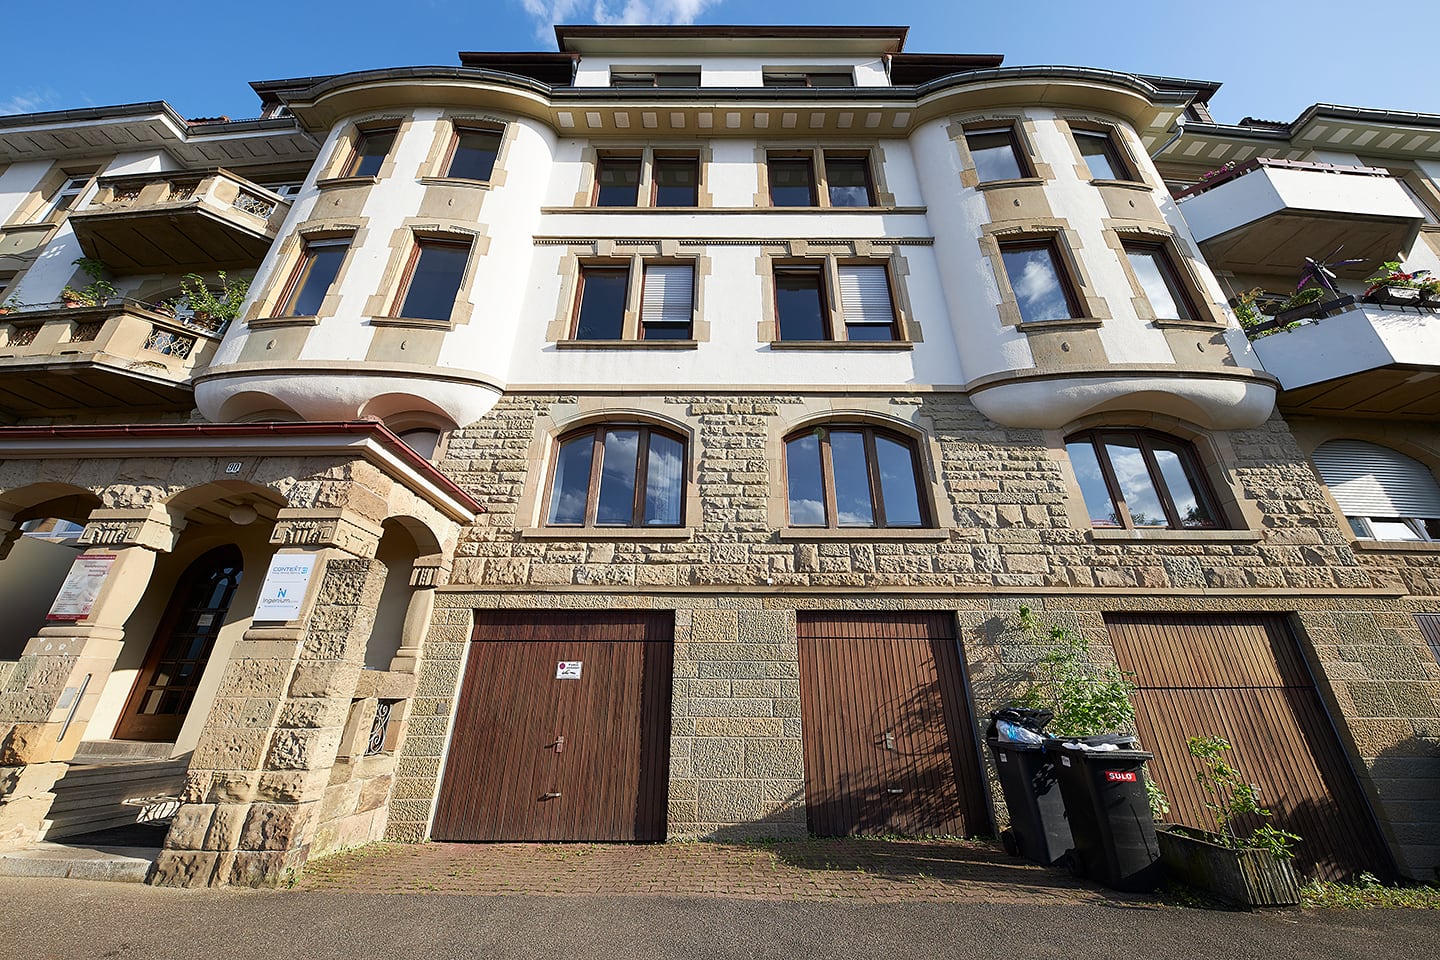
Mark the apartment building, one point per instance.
(656, 438)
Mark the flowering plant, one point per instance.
(1224, 168)
(1391, 275)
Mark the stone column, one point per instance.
(258, 776)
(427, 574)
(51, 695)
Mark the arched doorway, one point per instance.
(181, 648)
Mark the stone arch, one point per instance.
(253, 406)
(49, 498)
(33, 567)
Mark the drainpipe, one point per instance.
(1179, 129)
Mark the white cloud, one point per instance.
(547, 13)
(31, 101)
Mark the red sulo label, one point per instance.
(1120, 776)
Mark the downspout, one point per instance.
(1179, 129)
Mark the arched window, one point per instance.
(853, 476)
(1383, 493)
(618, 476)
(1138, 479)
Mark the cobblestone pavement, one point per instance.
(837, 870)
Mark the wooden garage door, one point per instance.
(1242, 677)
(539, 753)
(888, 741)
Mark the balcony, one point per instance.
(178, 222)
(1267, 216)
(122, 354)
(1359, 359)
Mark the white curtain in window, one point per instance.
(865, 294)
(1368, 480)
(669, 296)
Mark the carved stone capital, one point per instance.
(327, 528)
(154, 528)
(430, 571)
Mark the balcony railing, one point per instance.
(180, 220)
(1266, 216)
(123, 349)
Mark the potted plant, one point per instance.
(1251, 871)
(1302, 305)
(10, 305)
(1395, 286)
(98, 291)
(211, 309)
(1430, 292)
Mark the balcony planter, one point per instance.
(1394, 295)
(1246, 876)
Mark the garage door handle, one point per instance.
(895, 790)
(551, 796)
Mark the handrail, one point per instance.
(1249, 166)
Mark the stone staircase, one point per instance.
(113, 783)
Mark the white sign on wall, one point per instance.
(568, 669)
(81, 587)
(284, 588)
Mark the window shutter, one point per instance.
(1369, 480)
(669, 296)
(865, 294)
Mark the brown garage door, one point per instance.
(545, 752)
(887, 735)
(1243, 678)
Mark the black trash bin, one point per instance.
(1109, 813)
(1038, 830)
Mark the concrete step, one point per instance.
(121, 864)
(110, 751)
(94, 797)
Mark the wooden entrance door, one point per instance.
(165, 688)
(1242, 677)
(542, 751)
(888, 742)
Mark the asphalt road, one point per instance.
(72, 919)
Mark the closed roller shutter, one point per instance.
(1368, 480)
(865, 295)
(669, 296)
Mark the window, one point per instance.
(677, 181)
(1042, 291)
(812, 78)
(617, 182)
(847, 180)
(313, 277)
(602, 303)
(7, 277)
(792, 182)
(1102, 155)
(371, 149)
(996, 154)
(1139, 480)
(65, 198)
(1158, 277)
(667, 302)
(433, 279)
(618, 476)
(1384, 494)
(657, 78)
(472, 153)
(853, 476)
(802, 302)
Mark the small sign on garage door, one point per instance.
(568, 669)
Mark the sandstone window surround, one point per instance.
(433, 279)
(811, 177)
(313, 276)
(1039, 275)
(1166, 285)
(617, 475)
(837, 299)
(842, 475)
(369, 151)
(364, 151)
(647, 177)
(633, 302)
(1384, 495)
(998, 152)
(57, 193)
(1133, 479)
(302, 279)
(1102, 153)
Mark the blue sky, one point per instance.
(1274, 57)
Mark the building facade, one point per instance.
(661, 436)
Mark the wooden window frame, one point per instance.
(597, 457)
(655, 162)
(1116, 154)
(639, 160)
(1175, 281)
(580, 280)
(301, 272)
(864, 159)
(816, 269)
(1023, 162)
(809, 160)
(1063, 274)
(402, 292)
(1143, 438)
(357, 154)
(872, 470)
(459, 129)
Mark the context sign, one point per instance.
(284, 588)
